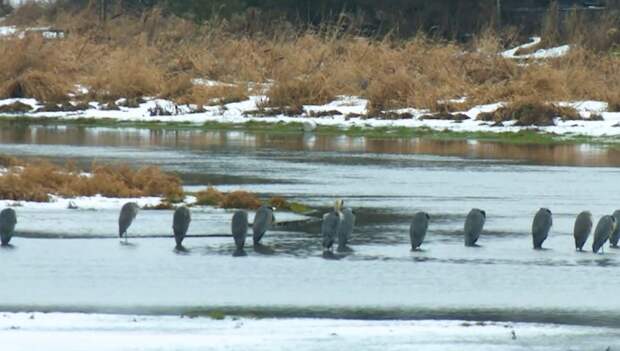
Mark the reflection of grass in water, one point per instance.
(521, 137)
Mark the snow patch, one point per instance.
(32, 102)
(97, 202)
(343, 104)
(512, 52)
(211, 83)
(539, 54)
(6, 31)
(586, 106)
(46, 32)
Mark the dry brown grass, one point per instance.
(240, 199)
(36, 180)
(124, 73)
(209, 197)
(9, 161)
(296, 92)
(279, 202)
(530, 112)
(28, 14)
(158, 56)
(32, 67)
(16, 107)
(614, 101)
(235, 199)
(214, 95)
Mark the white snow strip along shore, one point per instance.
(346, 112)
(538, 54)
(67, 332)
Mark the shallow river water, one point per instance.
(68, 261)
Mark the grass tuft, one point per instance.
(16, 107)
(240, 199)
(235, 199)
(36, 180)
(530, 113)
(209, 197)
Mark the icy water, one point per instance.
(69, 260)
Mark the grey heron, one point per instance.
(417, 230)
(345, 229)
(239, 227)
(180, 224)
(129, 211)
(541, 225)
(330, 225)
(8, 220)
(473, 226)
(605, 226)
(263, 220)
(615, 236)
(582, 229)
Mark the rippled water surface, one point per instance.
(70, 261)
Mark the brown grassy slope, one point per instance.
(32, 67)
(158, 56)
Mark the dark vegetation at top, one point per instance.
(448, 19)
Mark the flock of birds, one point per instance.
(338, 224)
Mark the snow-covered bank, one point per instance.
(345, 112)
(68, 332)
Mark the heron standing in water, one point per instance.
(615, 236)
(417, 230)
(474, 223)
(180, 225)
(540, 227)
(263, 220)
(329, 227)
(582, 229)
(8, 220)
(345, 228)
(129, 211)
(605, 226)
(239, 229)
